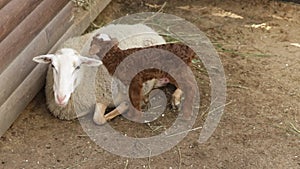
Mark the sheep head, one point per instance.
(67, 71)
(101, 44)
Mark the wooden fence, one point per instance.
(29, 28)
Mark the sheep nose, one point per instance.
(61, 99)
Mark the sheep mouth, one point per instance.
(62, 104)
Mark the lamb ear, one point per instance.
(43, 58)
(90, 61)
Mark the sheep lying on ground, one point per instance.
(111, 56)
(74, 84)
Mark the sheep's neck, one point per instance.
(79, 78)
(84, 95)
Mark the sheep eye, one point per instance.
(77, 68)
(53, 68)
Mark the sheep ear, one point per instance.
(104, 37)
(90, 61)
(43, 58)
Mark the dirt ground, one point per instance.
(261, 123)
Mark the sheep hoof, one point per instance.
(99, 118)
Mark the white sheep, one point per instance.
(74, 84)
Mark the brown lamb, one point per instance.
(112, 56)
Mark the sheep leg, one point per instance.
(177, 98)
(122, 108)
(99, 118)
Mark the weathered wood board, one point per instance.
(3, 3)
(25, 32)
(14, 13)
(39, 45)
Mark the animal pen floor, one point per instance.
(261, 123)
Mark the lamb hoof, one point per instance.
(177, 103)
(177, 99)
(176, 106)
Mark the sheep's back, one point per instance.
(115, 56)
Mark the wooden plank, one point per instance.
(41, 44)
(16, 103)
(13, 14)
(34, 82)
(3, 3)
(21, 36)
